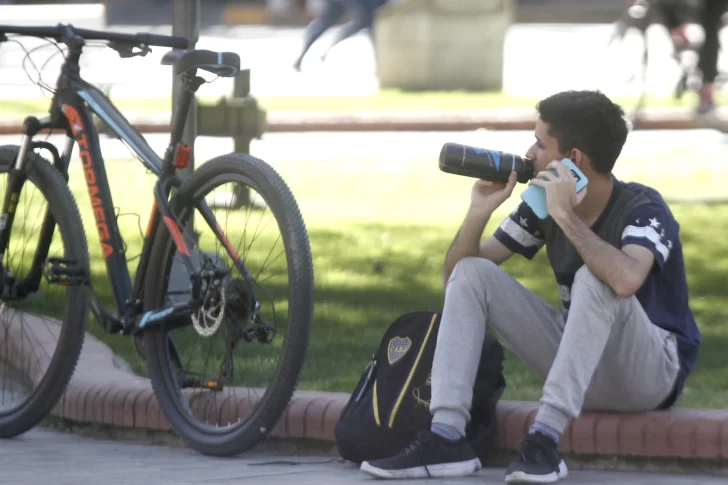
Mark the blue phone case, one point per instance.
(535, 196)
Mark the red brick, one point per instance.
(331, 417)
(246, 405)
(130, 405)
(197, 402)
(66, 407)
(209, 412)
(313, 418)
(707, 426)
(501, 411)
(607, 434)
(515, 424)
(97, 404)
(583, 433)
(723, 439)
(109, 398)
(229, 410)
(141, 404)
(681, 435)
(530, 418)
(59, 408)
(81, 390)
(657, 438)
(631, 435)
(295, 415)
(123, 410)
(94, 401)
(279, 430)
(163, 423)
(154, 415)
(565, 441)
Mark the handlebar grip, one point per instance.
(171, 41)
(58, 33)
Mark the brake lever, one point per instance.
(126, 50)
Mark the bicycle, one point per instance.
(209, 302)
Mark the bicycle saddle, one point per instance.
(224, 64)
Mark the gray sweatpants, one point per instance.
(606, 356)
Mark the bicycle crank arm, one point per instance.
(170, 318)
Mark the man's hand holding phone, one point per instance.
(556, 191)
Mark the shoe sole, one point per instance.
(523, 477)
(444, 470)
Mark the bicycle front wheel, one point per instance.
(225, 379)
(42, 320)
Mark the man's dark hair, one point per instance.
(589, 121)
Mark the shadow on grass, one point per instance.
(366, 275)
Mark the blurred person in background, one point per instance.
(362, 17)
(711, 20)
(679, 17)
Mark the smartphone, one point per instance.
(535, 196)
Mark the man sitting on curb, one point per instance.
(626, 340)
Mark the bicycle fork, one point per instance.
(17, 176)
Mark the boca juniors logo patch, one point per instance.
(397, 348)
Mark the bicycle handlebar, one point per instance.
(63, 32)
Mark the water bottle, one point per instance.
(483, 163)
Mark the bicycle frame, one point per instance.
(73, 104)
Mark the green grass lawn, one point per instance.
(386, 99)
(401, 215)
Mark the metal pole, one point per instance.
(186, 22)
(241, 89)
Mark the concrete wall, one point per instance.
(442, 44)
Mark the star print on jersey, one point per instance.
(650, 226)
(520, 233)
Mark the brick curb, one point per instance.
(102, 393)
(416, 120)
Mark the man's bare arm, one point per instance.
(624, 270)
(467, 242)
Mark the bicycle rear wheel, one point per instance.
(188, 365)
(39, 352)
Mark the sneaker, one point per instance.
(428, 456)
(537, 461)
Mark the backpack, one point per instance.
(390, 404)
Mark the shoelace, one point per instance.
(424, 439)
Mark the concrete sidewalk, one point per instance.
(417, 120)
(43, 456)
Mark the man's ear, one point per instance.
(578, 157)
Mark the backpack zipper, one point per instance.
(370, 370)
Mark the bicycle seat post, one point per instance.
(190, 84)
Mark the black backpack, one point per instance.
(390, 405)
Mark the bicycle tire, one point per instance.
(73, 326)
(264, 179)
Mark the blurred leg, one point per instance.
(362, 18)
(333, 10)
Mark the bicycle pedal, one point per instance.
(64, 272)
(210, 384)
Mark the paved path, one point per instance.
(539, 59)
(35, 457)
